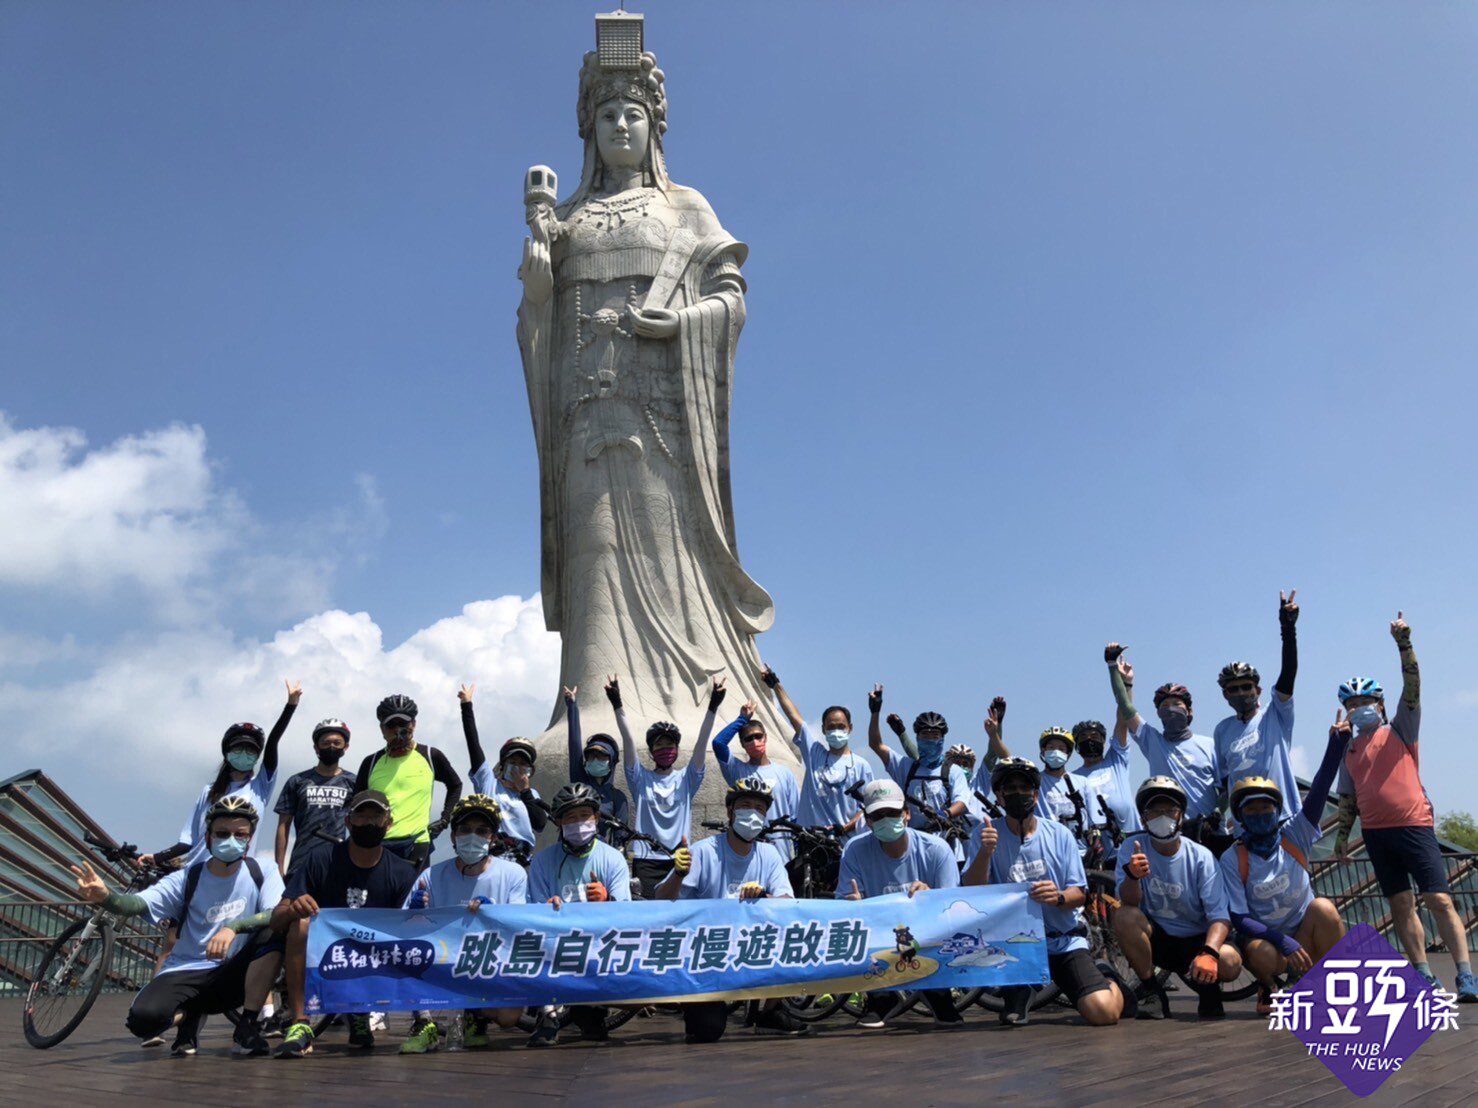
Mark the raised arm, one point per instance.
(875, 731)
(628, 745)
(476, 759)
(1318, 794)
(269, 753)
(1404, 722)
(698, 763)
(572, 732)
(787, 705)
(722, 740)
(1287, 618)
(1121, 680)
(995, 722)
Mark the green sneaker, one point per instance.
(423, 1038)
(297, 1041)
(474, 1031)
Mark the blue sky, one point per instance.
(1067, 322)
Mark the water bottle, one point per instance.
(455, 1032)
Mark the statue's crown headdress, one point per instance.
(618, 66)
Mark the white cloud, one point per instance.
(146, 722)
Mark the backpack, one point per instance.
(192, 879)
(1244, 863)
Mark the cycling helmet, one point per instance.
(1237, 671)
(663, 730)
(478, 804)
(1015, 767)
(960, 752)
(243, 734)
(324, 726)
(1247, 788)
(1157, 787)
(752, 786)
(930, 721)
(397, 705)
(518, 745)
(234, 806)
(1170, 688)
(1361, 686)
(1057, 733)
(1089, 729)
(576, 794)
(605, 745)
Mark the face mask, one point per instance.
(1054, 759)
(597, 767)
(1243, 703)
(1164, 828)
(331, 756)
(399, 740)
(748, 823)
(1018, 805)
(1176, 723)
(1261, 826)
(470, 849)
(244, 760)
(227, 850)
(1365, 718)
(1091, 752)
(931, 751)
(665, 757)
(838, 739)
(366, 834)
(578, 835)
(889, 829)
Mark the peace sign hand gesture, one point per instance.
(1287, 608)
(1341, 731)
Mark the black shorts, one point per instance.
(1398, 854)
(1076, 974)
(1174, 952)
(651, 872)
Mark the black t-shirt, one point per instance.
(334, 881)
(316, 804)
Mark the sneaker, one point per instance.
(474, 1031)
(1467, 988)
(248, 1041)
(1264, 1001)
(1430, 978)
(1210, 1006)
(1015, 1006)
(423, 1038)
(297, 1041)
(871, 1020)
(157, 1040)
(1151, 1002)
(360, 1035)
(187, 1037)
(777, 1021)
(377, 1021)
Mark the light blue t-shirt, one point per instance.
(1261, 747)
(554, 871)
(1190, 762)
(718, 871)
(1110, 780)
(1184, 892)
(217, 901)
(927, 858)
(445, 885)
(256, 788)
(1049, 853)
(1277, 892)
(515, 812)
(1054, 802)
(785, 790)
(824, 801)
(663, 801)
(938, 787)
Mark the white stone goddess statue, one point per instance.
(633, 302)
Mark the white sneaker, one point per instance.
(157, 1040)
(871, 1021)
(377, 1021)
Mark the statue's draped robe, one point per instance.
(641, 574)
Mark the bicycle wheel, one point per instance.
(963, 998)
(67, 982)
(814, 1008)
(1240, 988)
(990, 999)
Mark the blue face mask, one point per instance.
(470, 849)
(1365, 718)
(889, 829)
(597, 767)
(931, 751)
(1260, 825)
(243, 760)
(837, 739)
(228, 850)
(1054, 759)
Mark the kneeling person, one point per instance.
(225, 957)
(474, 878)
(733, 866)
(1022, 846)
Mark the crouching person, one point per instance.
(1021, 846)
(474, 878)
(226, 957)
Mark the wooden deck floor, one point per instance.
(1056, 1061)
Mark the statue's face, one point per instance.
(621, 133)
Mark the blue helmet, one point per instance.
(1361, 686)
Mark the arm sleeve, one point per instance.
(698, 763)
(628, 750)
(721, 741)
(475, 757)
(576, 744)
(1318, 794)
(162, 900)
(1253, 929)
(254, 922)
(126, 904)
(537, 816)
(1289, 669)
(1127, 711)
(910, 744)
(269, 755)
(442, 770)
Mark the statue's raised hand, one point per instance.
(537, 272)
(654, 323)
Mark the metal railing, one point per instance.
(27, 930)
(1356, 893)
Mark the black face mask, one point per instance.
(1176, 721)
(366, 834)
(1091, 751)
(1019, 805)
(330, 757)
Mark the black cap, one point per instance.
(367, 796)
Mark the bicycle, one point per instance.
(75, 966)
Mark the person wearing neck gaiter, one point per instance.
(924, 779)
(1173, 750)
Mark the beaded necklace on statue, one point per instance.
(612, 214)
